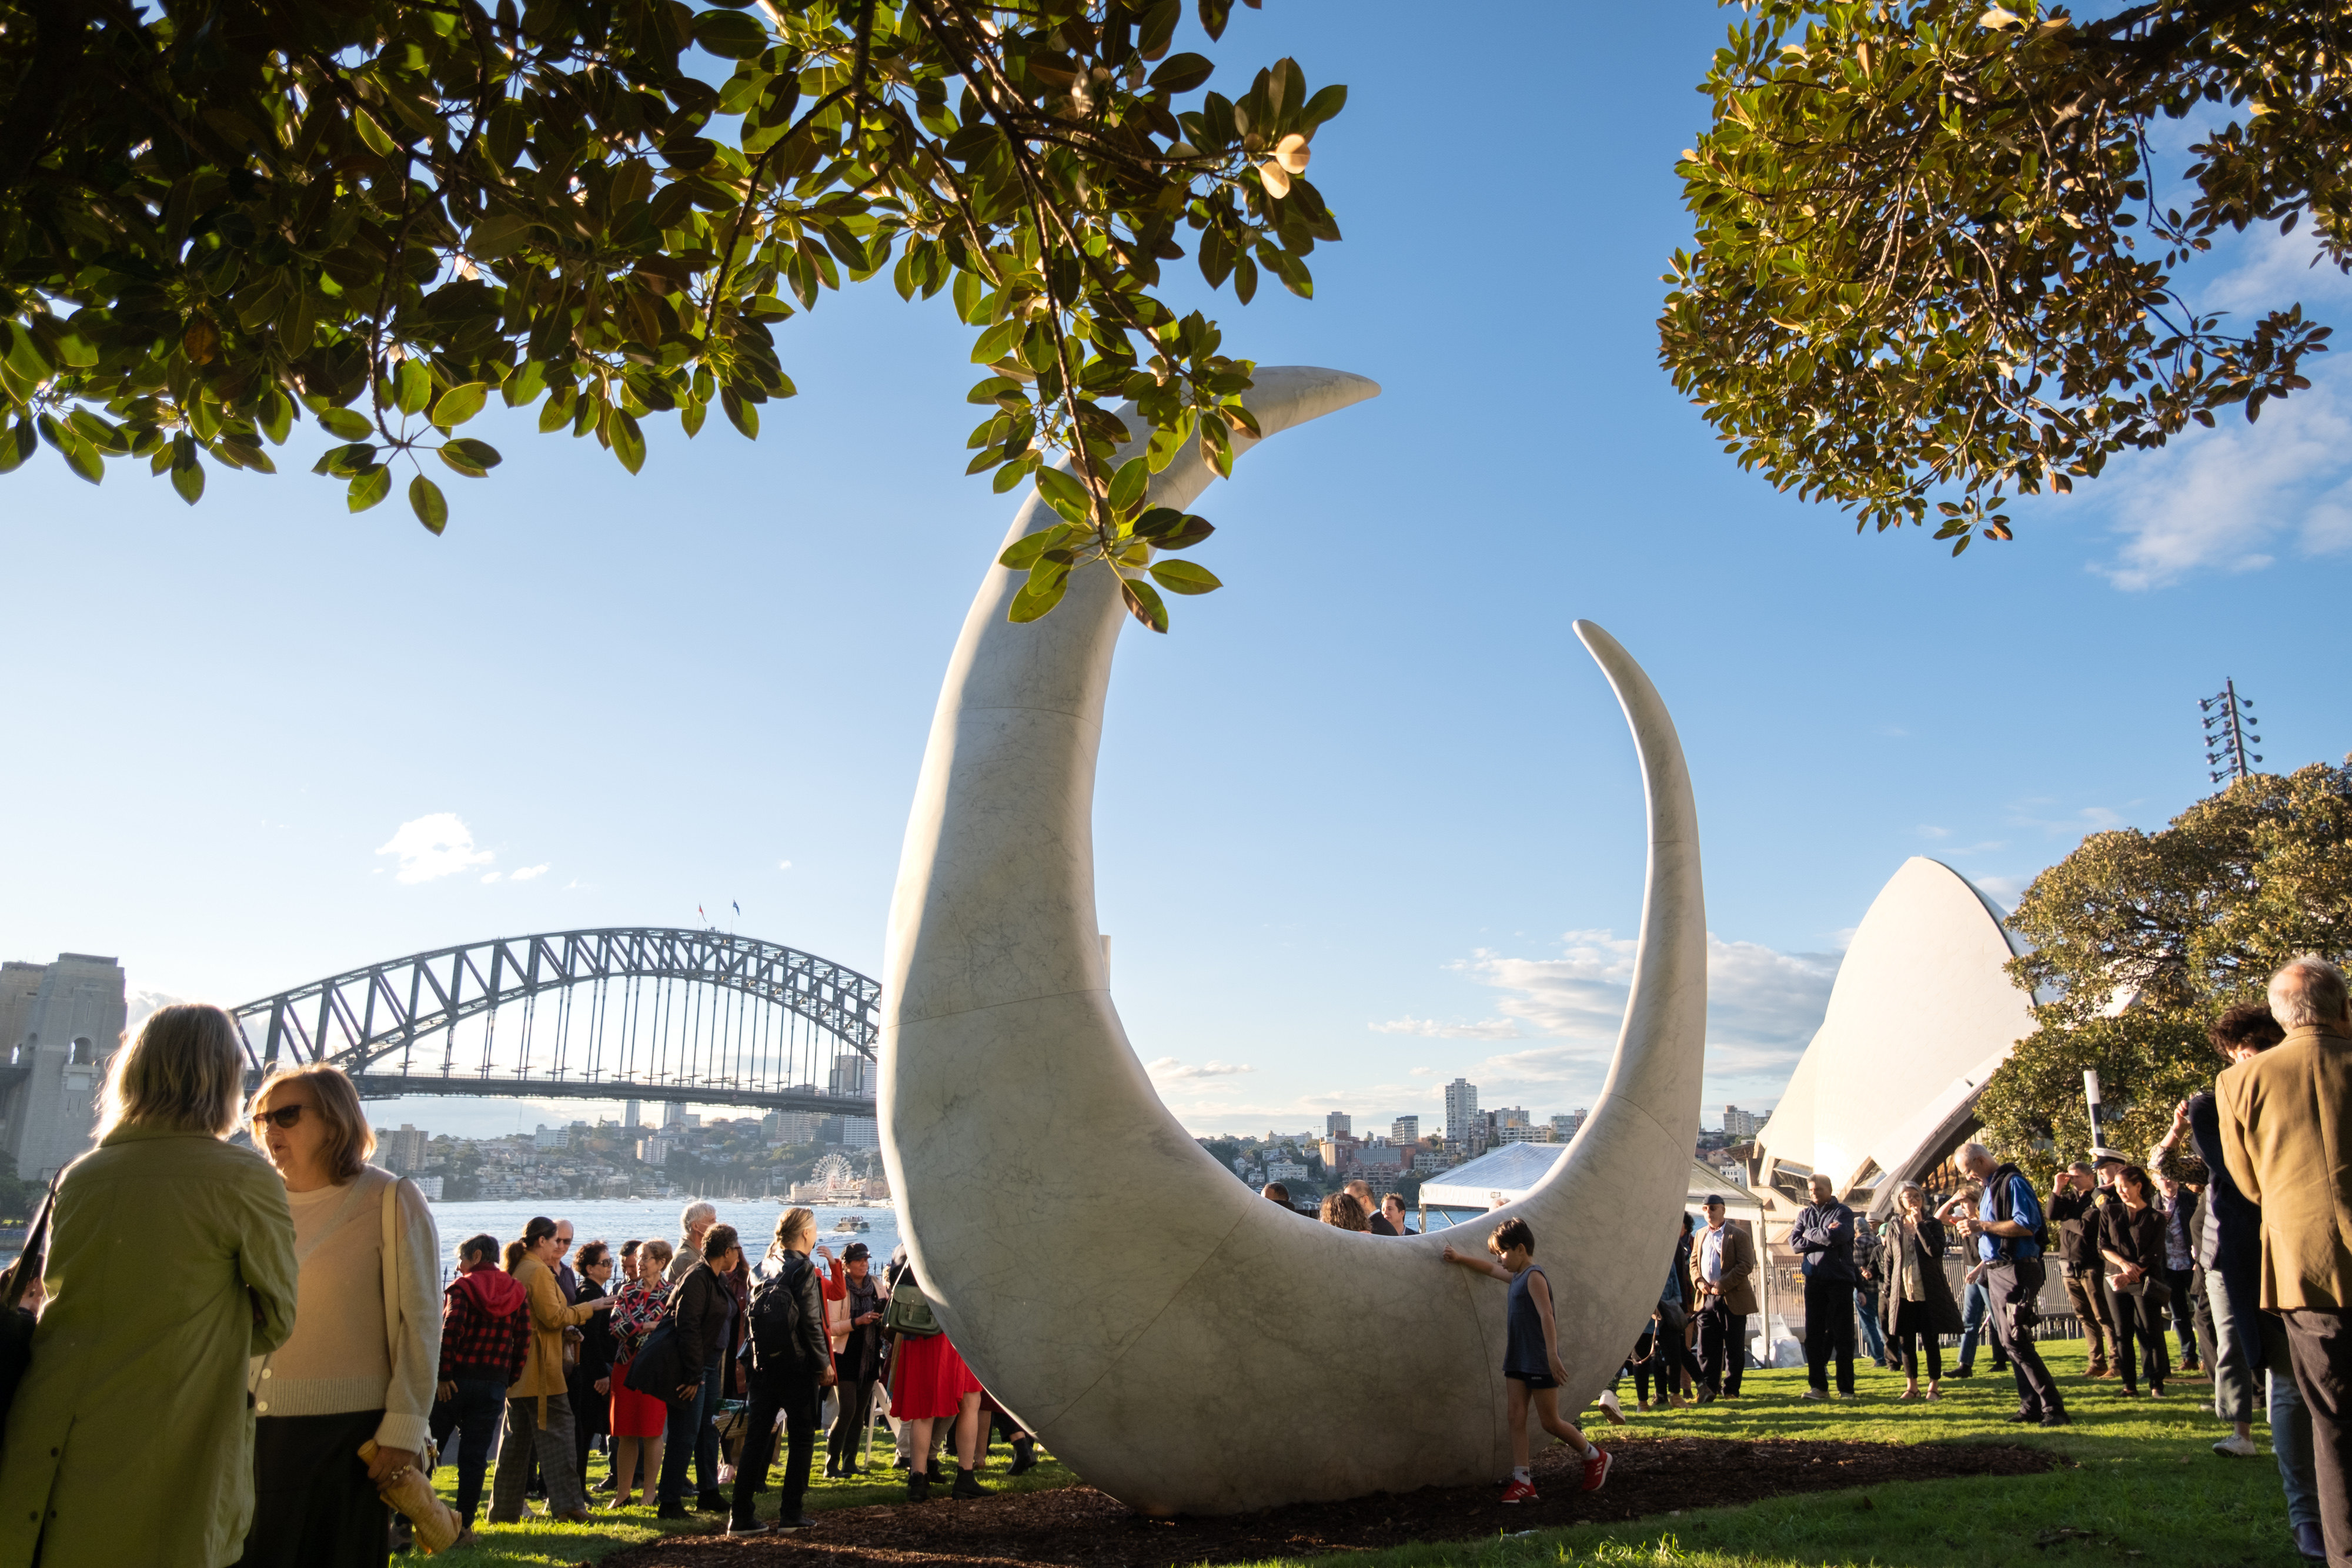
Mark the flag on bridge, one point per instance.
(738, 908)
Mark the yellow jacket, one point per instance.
(542, 1369)
(2284, 1140)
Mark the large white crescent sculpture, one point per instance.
(1183, 1344)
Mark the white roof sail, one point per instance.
(1921, 1014)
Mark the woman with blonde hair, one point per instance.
(363, 1362)
(788, 1368)
(171, 1262)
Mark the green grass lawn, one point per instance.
(2143, 1487)
(544, 1543)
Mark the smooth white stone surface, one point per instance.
(1183, 1344)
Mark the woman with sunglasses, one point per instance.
(169, 1263)
(364, 1358)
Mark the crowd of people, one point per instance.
(307, 1358)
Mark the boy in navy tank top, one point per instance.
(1531, 1365)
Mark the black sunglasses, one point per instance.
(284, 1116)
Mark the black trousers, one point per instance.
(2321, 1347)
(1828, 1331)
(313, 1505)
(1904, 1336)
(850, 1424)
(2187, 1289)
(796, 1397)
(1722, 1348)
(474, 1414)
(2139, 1329)
(2014, 1291)
(2090, 1301)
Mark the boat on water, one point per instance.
(850, 1223)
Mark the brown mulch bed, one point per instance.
(1078, 1527)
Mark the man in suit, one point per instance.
(1723, 1282)
(2284, 1125)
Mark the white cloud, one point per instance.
(491, 877)
(2230, 499)
(783, 865)
(1429, 1029)
(527, 872)
(1762, 1007)
(434, 846)
(141, 1006)
(1168, 1067)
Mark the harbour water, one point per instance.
(615, 1220)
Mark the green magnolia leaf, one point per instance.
(743, 415)
(368, 486)
(413, 385)
(1143, 602)
(729, 34)
(459, 404)
(1128, 485)
(187, 470)
(346, 422)
(1165, 528)
(1184, 576)
(425, 500)
(468, 457)
(1035, 599)
(996, 342)
(1064, 495)
(1182, 73)
(628, 442)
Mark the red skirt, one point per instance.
(636, 1414)
(929, 1379)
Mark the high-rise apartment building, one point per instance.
(1567, 1124)
(1460, 1109)
(629, 1114)
(1405, 1130)
(1337, 1123)
(1740, 1126)
(851, 1075)
(672, 1116)
(401, 1150)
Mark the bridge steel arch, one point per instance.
(380, 1023)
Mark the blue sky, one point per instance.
(1367, 819)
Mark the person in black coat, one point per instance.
(2131, 1237)
(859, 1363)
(791, 1363)
(1915, 1298)
(590, 1380)
(700, 1306)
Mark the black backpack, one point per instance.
(2004, 1206)
(776, 1309)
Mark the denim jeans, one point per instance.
(1874, 1338)
(1973, 1331)
(688, 1420)
(2237, 1346)
(2290, 1420)
(474, 1414)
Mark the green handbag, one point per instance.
(909, 1313)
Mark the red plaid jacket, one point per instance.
(484, 1327)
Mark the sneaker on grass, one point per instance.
(1519, 1491)
(2234, 1446)
(1596, 1468)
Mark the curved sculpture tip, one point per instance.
(1283, 397)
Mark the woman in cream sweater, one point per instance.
(366, 1345)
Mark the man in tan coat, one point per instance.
(2284, 1116)
(1723, 1280)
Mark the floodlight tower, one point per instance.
(2229, 727)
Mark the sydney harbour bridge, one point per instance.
(635, 1013)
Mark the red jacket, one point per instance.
(484, 1327)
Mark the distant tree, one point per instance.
(1935, 249)
(217, 217)
(2140, 940)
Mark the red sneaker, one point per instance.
(1519, 1491)
(1596, 1469)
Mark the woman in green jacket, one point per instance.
(170, 1264)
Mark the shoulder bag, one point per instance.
(909, 1313)
(15, 1320)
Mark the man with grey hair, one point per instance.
(2006, 1231)
(694, 1222)
(2283, 1138)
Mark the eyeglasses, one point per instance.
(284, 1116)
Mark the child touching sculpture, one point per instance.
(1531, 1365)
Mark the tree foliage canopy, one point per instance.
(221, 217)
(1936, 252)
(2140, 940)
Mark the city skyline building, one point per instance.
(1405, 1130)
(1460, 1109)
(1337, 1123)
